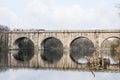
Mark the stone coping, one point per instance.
(65, 31)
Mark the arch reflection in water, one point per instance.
(24, 49)
(52, 50)
(23, 55)
(111, 49)
(79, 48)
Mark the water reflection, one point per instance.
(27, 74)
(79, 48)
(31, 74)
(23, 55)
(3, 70)
(111, 49)
(23, 49)
(52, 50)
(3, 59)
(82, 60)
(111, 59)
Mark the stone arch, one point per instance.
(52, 49)
(81, 47)
(23, 49)
(110, 48)
(16, 41)
(104, 36)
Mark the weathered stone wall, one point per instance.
(66, 37)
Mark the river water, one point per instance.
(49, 74)
(32, 74)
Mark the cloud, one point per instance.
(73, 16)
(7, 17)
(49, 15)
(60, 14)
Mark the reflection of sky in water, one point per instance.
(111, 60)
(82, 60)
(29, 74)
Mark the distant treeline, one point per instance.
(4, 28)
(3, 37)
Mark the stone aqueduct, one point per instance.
(66, 37)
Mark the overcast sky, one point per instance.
(60, 14)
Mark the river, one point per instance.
(32, 74)
(49, 74)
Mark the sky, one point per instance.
(60, 14)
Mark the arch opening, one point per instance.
(110, 48)
(79, 48)
(52, 50)
(23, 43)
(23, 49)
